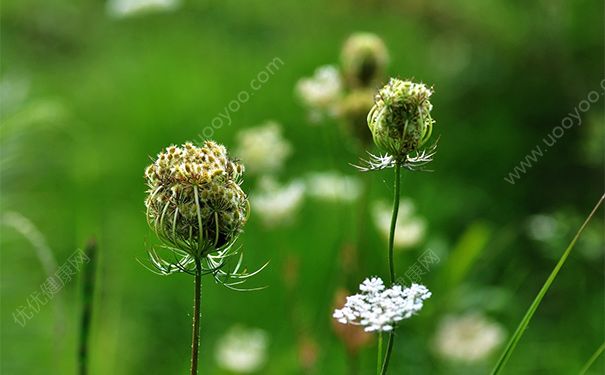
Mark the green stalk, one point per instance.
(379, 359)
(88, 288)
(195, 335)
(510, 347)
(592, 359)
(394, 221)
(396, 193)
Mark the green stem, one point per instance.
(394, 221)
(592, 359)
(396, 194)
(379, 359)
(510, 347)
(195, 335)
(385, 365)
(88, 282)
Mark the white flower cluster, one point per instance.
(377, 308)
(321, 92)
(129, 8)
(470, 337)
(277, 204)
(242, 350)
(333, 186)
(263, 149)
(409, 230)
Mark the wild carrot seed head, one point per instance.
(400, 120)
(194, 201)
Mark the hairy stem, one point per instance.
(396, 193)
(195, 335)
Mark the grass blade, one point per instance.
(592, 359)
(510, 347)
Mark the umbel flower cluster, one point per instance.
(379, 309)
(195, 205)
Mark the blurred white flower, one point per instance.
(542, 227)
(321, 92)
(333, 186)
(14, 90)
(263, 149)
(409, 230)
(468, 338)
(380, 309)
(128, 8)
(242, 350)
(277, 204)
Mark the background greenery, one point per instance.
(105, 94)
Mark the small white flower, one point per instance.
(277, 204)
(128, 8)
(542, 227)
(468, 338)
(321, 92)
(242, 350)
(332, 186)
(263, 149)
(378, 309)
(409, 230)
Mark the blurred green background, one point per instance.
(88, 97)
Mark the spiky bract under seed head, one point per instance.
(364, 60)
(194, 201)
(400, 120)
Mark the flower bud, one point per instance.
(354, 109)
(194, 201)
(400, 120)
(364, 59)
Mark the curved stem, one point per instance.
(387, 356)
(396, 193)
(195, 335)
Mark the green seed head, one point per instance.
(400, 120)
(364, 60)
(354, 109)
(194, 201)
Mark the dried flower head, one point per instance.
(377, 308)
(194, 200)
(400, 120)
(364, 59)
